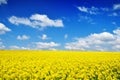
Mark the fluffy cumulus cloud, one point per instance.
(4, 29)
(44, 37)
(43, 21)
(3, 2)
(104, 41)
(2, 46)
(23, 37)
(46, 45)
(36, 21)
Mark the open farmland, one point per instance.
(59, 65)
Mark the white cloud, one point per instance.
(23, 37)
(53, 49)
(17, 20)
(36, 46)
(3, 29)
(117, 31)
(66, 36)
(2, 46)
(44, 37)
(14, 47)
(3, 2)
(43, 20)
(102, 10)
(102, 36)
(104, 41)
(36, 21)
(116, 6)
(46, 45)
(83, 9)
(92, 10)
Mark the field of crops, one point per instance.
(59, 65)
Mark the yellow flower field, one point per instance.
(59, 65)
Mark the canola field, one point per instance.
(59, 65)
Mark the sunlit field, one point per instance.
(59, 65)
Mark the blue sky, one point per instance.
(60, 24)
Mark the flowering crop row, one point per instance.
(59, 65)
